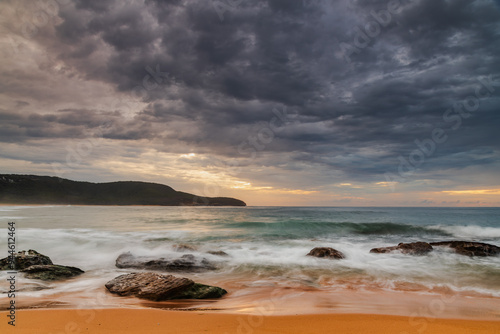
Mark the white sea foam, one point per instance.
(92, 239)
(470, 231)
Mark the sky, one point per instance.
(277, 102)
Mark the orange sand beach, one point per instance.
(117, 321)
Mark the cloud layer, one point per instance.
(304, 102)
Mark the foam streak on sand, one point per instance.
(157, 321)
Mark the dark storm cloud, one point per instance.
(70, 124)
(224, 77)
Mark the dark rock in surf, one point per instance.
(187, 262)
(413, 248)
(218, 253)
(326, 252)
(22, 260)
(184, 248)
(51, 272)
(470, 248)
(38, 266)
(157, 287)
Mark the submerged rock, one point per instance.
(470, 248)
(51, 272)
(157, 287)
(413, 248)
(218, 253)
(23, 260)
(326, 252)
(183, 248)
(187, 262)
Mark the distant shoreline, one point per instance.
(260, 206)
(48, 190)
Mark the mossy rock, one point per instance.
(201, 291)
(51, 272)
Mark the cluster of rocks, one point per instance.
(468, 248)
(414, 248)
(146, 285)
(38, 266)
(184, 263)
(157, 287)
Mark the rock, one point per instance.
(23, 260)
(150, 286)
(39, 266)
(326, 252)
(51, 272)
(183, 248)
(414, 248)
(218, 253)
(157, 287)
(187, 262)
(202, 291)
(470, 248)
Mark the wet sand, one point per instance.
(179, 322)
(274, 301)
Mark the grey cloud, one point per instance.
(225, 77)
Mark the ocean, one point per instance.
(267, 249)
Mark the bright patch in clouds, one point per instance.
(473, 192)
(188, 156)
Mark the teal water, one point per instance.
(267, 245)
